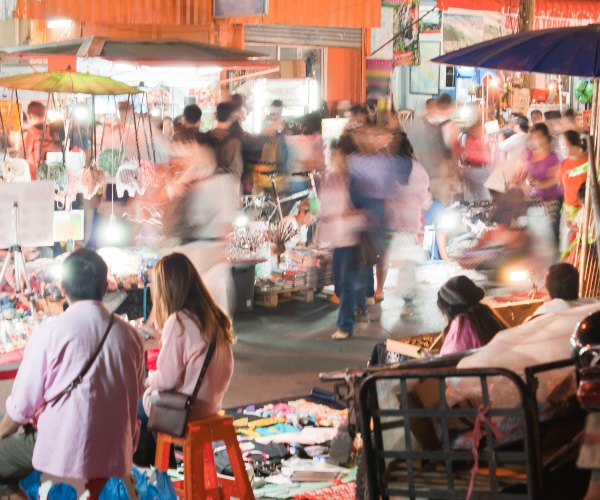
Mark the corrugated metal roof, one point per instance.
(332, 13)
(304, 35)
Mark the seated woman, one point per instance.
(189, 319)
(470, 323)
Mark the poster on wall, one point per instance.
(406, 25)
(425, 78)
(430, 20)
(235, 8)
(461, 31)
(384, 34)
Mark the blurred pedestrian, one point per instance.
(38, 138)
(338, 229)
(199, 212)
(192, 116)
(537, 117)
(167, 127)
(475, 164)
(178, 125)
(402, 220)
(229, 146)
(572, 174)
(434, 138)
(540, 170)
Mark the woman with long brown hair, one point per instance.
(189, 319)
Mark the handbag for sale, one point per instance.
(169, 410)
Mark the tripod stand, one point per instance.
(19, 261)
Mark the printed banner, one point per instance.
(461, 31)
(379, 79)
(406, 27)
(385, 33)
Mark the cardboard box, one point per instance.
(413, 346)
(514, 313)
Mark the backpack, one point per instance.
(221, 143)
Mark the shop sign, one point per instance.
(332, 128)
(291, 93)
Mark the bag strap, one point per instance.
(86, 367)
(209, 356)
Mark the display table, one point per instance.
(9, 364)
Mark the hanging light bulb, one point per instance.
(113, 232)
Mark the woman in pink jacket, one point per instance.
(402, 221)
(189, 319)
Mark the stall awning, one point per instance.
(572, 9)
(148, 52)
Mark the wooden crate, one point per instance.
(272, 298)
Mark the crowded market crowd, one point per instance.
(383, 185)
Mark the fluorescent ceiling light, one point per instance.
(59, 24)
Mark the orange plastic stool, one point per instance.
(201, 481)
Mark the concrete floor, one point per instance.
(280, 352)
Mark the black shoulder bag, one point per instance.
(86, 367)
(169, 410)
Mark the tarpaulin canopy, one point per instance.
(573, 51)
(572, 9)
(147, 52)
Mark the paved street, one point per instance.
(281, 351)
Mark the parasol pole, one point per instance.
(20, 122)
(593, 187)
(44, 132)
(5, 139)
(94, 138)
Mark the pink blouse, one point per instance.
(179, 364)
(463, 339)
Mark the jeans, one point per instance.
(348, 286)
(375, 213)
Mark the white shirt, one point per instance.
(557, 305)
(515, 146)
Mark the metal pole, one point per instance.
(526, 23)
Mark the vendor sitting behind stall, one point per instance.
(300, 222)
(562, 283)
(471, 324)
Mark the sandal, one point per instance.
(379, 297)
(340, 335)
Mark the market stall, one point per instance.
(175, 72)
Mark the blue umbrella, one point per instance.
(573, 51)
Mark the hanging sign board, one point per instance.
(68, 225)
(35, 201)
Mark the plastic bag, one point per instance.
(31, 484)
(113, 490)
(164, 485)
(145, 490)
